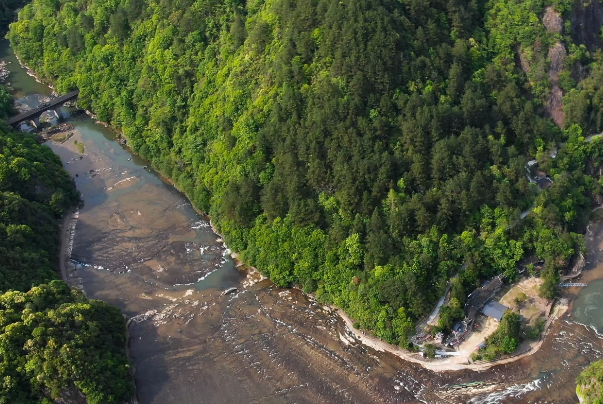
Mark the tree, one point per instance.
(505, 339)
(590, 384)
(75, 40)
(450, 314)
(120, 27)
(54, 338)
(429, 350)
(549, 287)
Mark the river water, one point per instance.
(140, 245)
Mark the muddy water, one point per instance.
(139, 245)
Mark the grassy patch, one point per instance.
(62, 137)
(533, 332)
(80, 146)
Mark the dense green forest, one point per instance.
(364, 150)
(8, 12)
(53, 340)
(590, 384)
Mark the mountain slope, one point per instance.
(363, 150)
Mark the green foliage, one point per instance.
(54, 339)
(6, 103)
(505, 339)
(429, 350)
(520, 298)
(363, 150)
(549, 288)
(34, 192)
(450, 314)
(515, 26)
(590, 384)
(534, 332)
(584, 104)
(80, 146)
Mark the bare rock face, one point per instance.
(552, 21)
(556, 55)
(554, 108)
(587, 20)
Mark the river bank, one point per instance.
(66, 235)
(460, 362)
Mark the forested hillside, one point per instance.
(55, 342)
(361, 149)
(34, 192)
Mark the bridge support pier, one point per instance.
(58, 113)
(34, 114)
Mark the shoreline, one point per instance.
(449, 364)
(33, 74)
(63, 244)
(67, 226)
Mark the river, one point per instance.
(141, 246)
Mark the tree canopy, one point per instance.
(505, 339)
(34, 192)
(590, 384)
(363, 150)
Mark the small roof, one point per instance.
(544, 182)
(495, 310)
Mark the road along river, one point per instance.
(138, 244)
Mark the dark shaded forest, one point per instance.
(371, 152)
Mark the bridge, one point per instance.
(34, 114)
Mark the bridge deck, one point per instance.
(53, 103)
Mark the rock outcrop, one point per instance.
(587, 21)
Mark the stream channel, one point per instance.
(140, 245)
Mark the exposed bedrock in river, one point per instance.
(132, 222)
